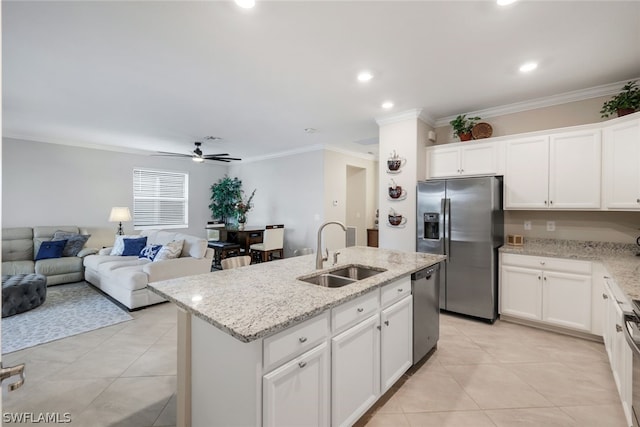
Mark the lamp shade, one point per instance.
(119, 214)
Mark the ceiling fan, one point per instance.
(198, 157)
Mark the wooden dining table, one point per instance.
(245, 238)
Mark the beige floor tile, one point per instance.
(597, 415)
(156, 361)
(130, 402)
(567, 385)
(531, 417)
(168, 415)
(432, 391)
(388, 420)
(494, 386)
(461, 351)
(450, 419)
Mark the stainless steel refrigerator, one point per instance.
(463, 219)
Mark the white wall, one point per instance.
(50, 184)
(288, 191)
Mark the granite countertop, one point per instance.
(619, 259)
(262, 299)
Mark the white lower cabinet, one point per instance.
(396, 346)
(619, 352)
(355, 373)
(297, 393)
(548, 290)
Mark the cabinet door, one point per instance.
(297, 393)
(566, 300)
(621, 162)
(574, 170)
(355, 371)
(396, 347)
(479, 159)
(521, 292)
(526, 178)
(443, 161)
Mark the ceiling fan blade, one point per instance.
(220, 158)
(163, 153)
(216, 155)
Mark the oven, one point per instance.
(632, 335)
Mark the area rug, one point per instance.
(69, 309)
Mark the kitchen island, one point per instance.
(257, 346)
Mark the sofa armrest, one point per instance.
(174, 268)
(105, 251)
(87, 251)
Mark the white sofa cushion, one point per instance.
(94, 261)
(194, 247)
(169, 250)
(131, 278)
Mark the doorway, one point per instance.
(357, 202)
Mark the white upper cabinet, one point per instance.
(621, 163)
(557, 171)
(469, 159)
(526, 180)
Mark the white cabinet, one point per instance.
(549, 290)
(558, 171)
(619, 352)
(355, 373)
(472, 158)
(396, 348)
(621, 164)
(297, 393)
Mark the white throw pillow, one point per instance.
(170, 250)
(118, 245)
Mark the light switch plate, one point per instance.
(551, 226)
(527, 225)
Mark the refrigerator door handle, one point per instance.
(447, 228)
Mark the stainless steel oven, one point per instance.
(632, 335)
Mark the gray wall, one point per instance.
(288, 191)
(50, 184)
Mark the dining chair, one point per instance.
(236, 261)
(272, 243)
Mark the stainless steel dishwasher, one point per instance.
(425, 286)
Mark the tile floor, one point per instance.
(481, 375)
(503, 375)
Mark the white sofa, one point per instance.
(125, 278)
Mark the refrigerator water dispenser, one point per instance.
(432, 225)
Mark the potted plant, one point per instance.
(242, 208)
(462, 126)
(225, 194)
(626, 102)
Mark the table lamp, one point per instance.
(119, 214)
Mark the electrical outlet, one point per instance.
(551, 226)
(527, 225)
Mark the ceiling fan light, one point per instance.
(198, 159)
(246, 4)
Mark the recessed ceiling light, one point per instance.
(310, 130)
(505, 2)
(528, 66)
(246, 4)
(387, 104)
(365, 76)
(212, 138)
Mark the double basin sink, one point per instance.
(342, 276)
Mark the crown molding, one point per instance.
(548, 101)
(79, 144)
(416, 113)
(357, 154)
(286, 153)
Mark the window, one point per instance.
(160, 199)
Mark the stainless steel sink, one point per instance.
(342, 276)
(357, 272)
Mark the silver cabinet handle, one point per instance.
(400, 289)
(302, 339)
(539, 277)
(618, 328)
(605, 296)
(550, 202)
(545, 202)
(545, 277)
(379, 327)
(360, 309)
(302, 364)
(386, 322)
(541, 262)
(461, 170)
(637, 200)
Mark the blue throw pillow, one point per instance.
(150, 252)
(133, 246)
(51, 249)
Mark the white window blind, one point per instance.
(160, 199)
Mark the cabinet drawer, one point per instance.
(545, 263)
(395, 291)
(289, 343)
(354, 311)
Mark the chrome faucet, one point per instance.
(319, 258)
